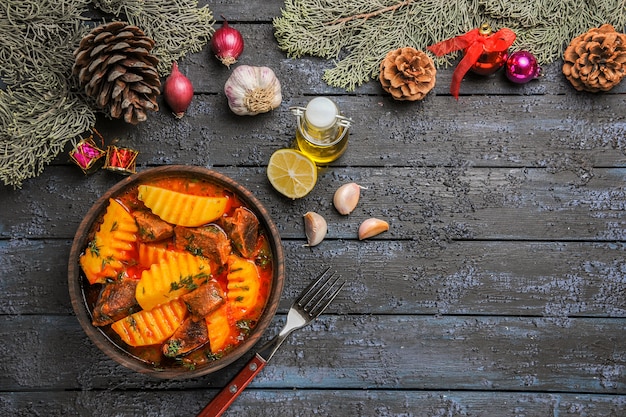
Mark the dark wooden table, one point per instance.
(500, 289)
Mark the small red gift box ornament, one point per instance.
(485, 52)
(121, 160)
(87, 155)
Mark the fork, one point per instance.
(311, 303)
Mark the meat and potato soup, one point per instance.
(177, 271)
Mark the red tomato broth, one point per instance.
(262, 257)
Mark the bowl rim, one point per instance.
(75, 283)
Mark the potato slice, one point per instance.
(152, 253)
(113, 243)
(220, 329)
(149, 327)
(182, 209)
(244, 285)
(174, 276)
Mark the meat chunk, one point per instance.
(151, 227)
(116, 301)
(188, 337)
(243, 229)
(204, 300)
(210, 242)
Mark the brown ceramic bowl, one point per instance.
(81, 292)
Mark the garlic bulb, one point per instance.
(347, 197)
(252, 90)
(315, 228)
(372, 227)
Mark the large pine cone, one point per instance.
(407, 74)
(596, 60)
(114, 65)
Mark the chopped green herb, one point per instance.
(194, 250)
(189, 282)
(132, 323)
(212, 356)
(244, 325)
(263, 258)
(173, 347)
(106, 261)
(93, 247)
(146, 233)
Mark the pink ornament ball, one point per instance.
(521, 67)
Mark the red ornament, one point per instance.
(86, 154)
(489, 61)
(121, 160)
(485, 52)
(522, 67)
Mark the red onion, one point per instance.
(178, 91)
(227, 44)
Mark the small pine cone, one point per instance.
(114, 65)
(596, 60)
(407, 74)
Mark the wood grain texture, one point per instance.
(499, 289)
(359, 352)
(541, 279)
(435, 204)
(307, 403)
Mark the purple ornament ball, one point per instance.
(521, 67)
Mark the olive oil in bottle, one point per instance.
(321, 132)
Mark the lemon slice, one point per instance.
(291, 173)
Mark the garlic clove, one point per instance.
(347, 197)
(315, 228)
(372, 227)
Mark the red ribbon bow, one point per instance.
(475, 43)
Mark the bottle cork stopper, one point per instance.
(321, 113)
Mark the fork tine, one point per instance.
(325, 300)
(308, 294)
(321, 294)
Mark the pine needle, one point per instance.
(39, 110)
(357, 35)
(178, 26)
(41, 106)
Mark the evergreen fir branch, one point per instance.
(40, 110)
(178, 27)
(38, 118)
(365, 16)
(356, 35)
(41, 106)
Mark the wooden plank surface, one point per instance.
(361, 352)
(291, 402)
(539, 279)
(431, 204)
(499, 289)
